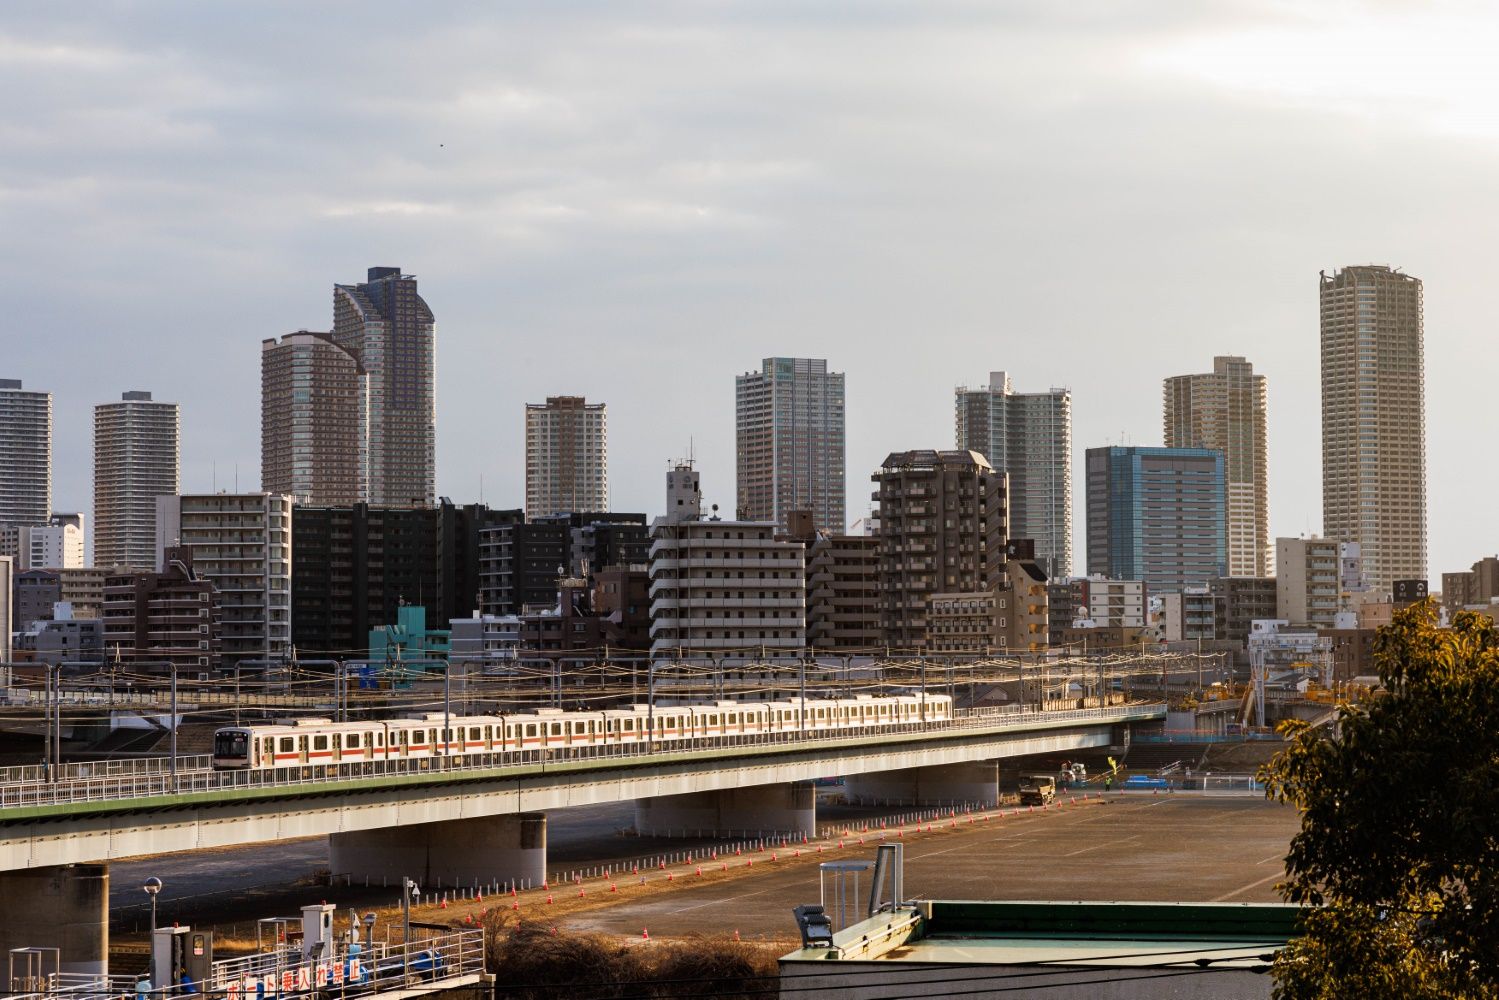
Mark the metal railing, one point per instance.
(115, 788)
(436, 961)
(84, 770)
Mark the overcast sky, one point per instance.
(635, 202)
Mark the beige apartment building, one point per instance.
(943, 529)
(789, 443)
(1225, 410)
(136, 460)
(314, 398)
(1314, 579)
(1478, 586)
(1374, 420)
(567, 457)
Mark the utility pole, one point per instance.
(174, 726)
(447, 711)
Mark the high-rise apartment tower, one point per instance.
(384, 323)
(1374, 420)
(314, 400)
(25, 454)
(567, 457)
(1027, 435)
(136, 454)
(790, 441)
(1225, 410)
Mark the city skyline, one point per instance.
(679, 240)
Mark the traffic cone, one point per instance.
(444, 903)
(549, 899)
(668, 877)
(515, 907)
(581, 891)
(749, 863)
(699, 869)
(736, 934)
(645, 933)
(613, 887)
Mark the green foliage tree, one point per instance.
(1399, 842)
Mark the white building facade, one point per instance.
(722, 587)
(241, 542)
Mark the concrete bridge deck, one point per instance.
(98, 819)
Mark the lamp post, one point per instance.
(152, 886)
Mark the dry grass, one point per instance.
(534, 962)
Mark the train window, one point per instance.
(473, 733)
(578, 727)
(556, 729)
(287, 745)
(629, 725)
(320, 743)
(531, 729)
(353, 741)
(733, 716)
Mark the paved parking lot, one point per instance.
(1132, 847)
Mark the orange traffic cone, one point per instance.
(645, 933)
(613, 887)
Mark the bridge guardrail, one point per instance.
(113, 788)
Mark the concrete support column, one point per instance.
(730, 812)
(976, 782)
(453, 852)
(65, 907)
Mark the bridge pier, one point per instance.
(943, 784)
(64, 907)
(510, 848)
(730, 811)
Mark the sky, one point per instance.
(637, 201)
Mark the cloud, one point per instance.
(635, 201)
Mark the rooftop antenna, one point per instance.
(481, 487)
(236, 477)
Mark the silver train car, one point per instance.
(321, 742)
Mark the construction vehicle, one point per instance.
(1037, 789)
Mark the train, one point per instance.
(324, 743)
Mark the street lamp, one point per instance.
(151, 887)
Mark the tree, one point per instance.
(1398, 851)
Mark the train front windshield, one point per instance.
(231, 744)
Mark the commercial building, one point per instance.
(1240, 601)
(25, 454)
(1476, 587)
(622, 600)
(963, 623)
(491, 640)
(1025, 614)
(409, 641)
(136, 456)
(67, 640)
(314, 410)
(1374, 420)
(168, 618)
(722, 587)
(520, 563)
(567, 456)
(1188, 615)
(353, 567)
(943, 529)
(789, 430)
(385, 324)
(1027, 436)
(83, 589)
(242, 543)
(1157, 515)
(843, 593)
(56, 544)
(1095, 603)
(1308, 580)
(1225, 410)
(37, 592)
